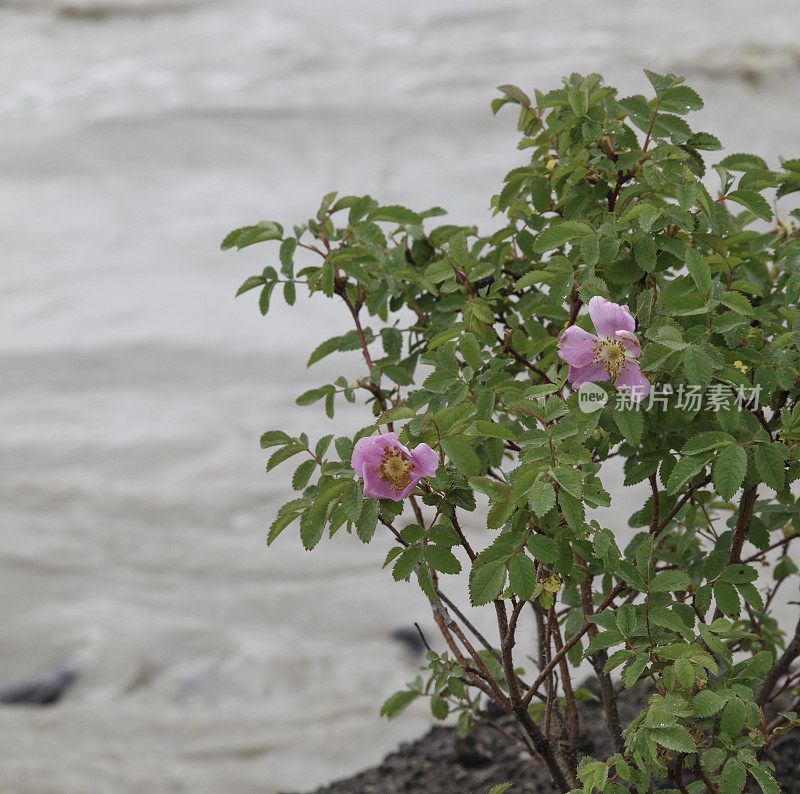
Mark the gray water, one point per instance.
(133, 388)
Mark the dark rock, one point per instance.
(441, 763)
(43, 688)
(409, 638)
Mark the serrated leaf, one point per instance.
(367, 520)
(522, 575)
(666, 581)
(303, 474)
(406, 563)
(249, 235)
(729, 470)
(733, 718)
(542, 497)
(278, 525)
(462, 456)
(770, 464)
(697, 366)
(543, 548)
(733, 778)
(703, 442)
(707, 703)
(559, 234)
(644, 251)
(684, 470)
(274, 437)
(398, 703)
(250, 283)
(737, 302)
(674, 737)
(727, 599)
(442, 559)
(569, 480)
(752, 201)
(630, 423)
(486, 582)
(699, 270)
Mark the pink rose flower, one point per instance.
(610, 355)
(390, 470)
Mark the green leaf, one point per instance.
(486, 582)
(703, 442)
(274, 437)
(707, 703)
(312, 522)
(368, 520)
(681, 99)
(303, 474)
(248, 235)
(442, 559)
(522, 575)
(500, 788)
(674, 737)
(312, 395)
(729, 470)
(250, 283)
(286, 255)
(684, 470)
(770, 464)
(737, 302)
(733, 718)
(572, 508)
(667, 581)
(734, 777)
(279, 524)
(635, 668)
(559, 234)
(398, 703)
(630, 423)
(406, 562)
(543, 548)
(727, 599)
(699, 270)
(284, 453)
(752, 201)
(644, 250)
(542, 497)
(660, 616)
(395, 214)
(462, 456)
(697, 366)
(569, 480)
(765, 781)
(471, 350)
(324, 349)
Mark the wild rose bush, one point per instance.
(622, 261)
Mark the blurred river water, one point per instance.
(133, 388)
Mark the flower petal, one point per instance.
(426, 461)
(575, 346)
(377, 488)
(631, 344)
(609, 317)
(630, 377)
(364, 449)
(590, 374)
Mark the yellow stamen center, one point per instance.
(395, 469)
(611, 354)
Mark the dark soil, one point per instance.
(441, 763)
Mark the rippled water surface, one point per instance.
(133, 388)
